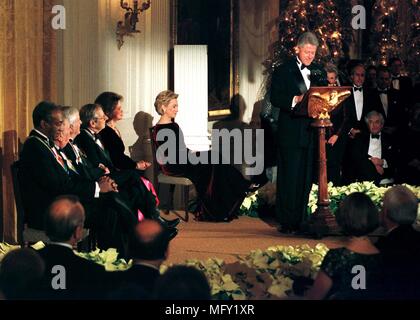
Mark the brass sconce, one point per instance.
(128, 26)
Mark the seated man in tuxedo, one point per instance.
(370, 154)
(44, 174)
(93, 121)
(77, 278)
(148, 248)
(400, 248)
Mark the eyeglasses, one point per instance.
(101, 118)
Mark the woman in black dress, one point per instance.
(220, 187)
(111, 136)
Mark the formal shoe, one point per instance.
(169, 223)
(172, 233)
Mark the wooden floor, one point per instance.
(203, 240)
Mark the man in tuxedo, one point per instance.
(400, 248)
(391, 105)
(370, 154)
(93, 121)
(400, 82)
(76, 277)
(44, 174)
(356, 107)
(295, 139)
(149, 249)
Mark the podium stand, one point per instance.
(317, 103)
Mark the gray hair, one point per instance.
(70, 113)
(308, 38)
(401, 205)
(374, 113)
(331, 68)
(89, 112)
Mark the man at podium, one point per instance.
(295, 137)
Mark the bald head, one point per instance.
(150, 241)
(64, 215)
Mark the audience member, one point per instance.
(21, 273)
(371, 153)
(148, 249)
(400, 248)
(182, 283)
(68, 276)
(43, 172)
(357, 216)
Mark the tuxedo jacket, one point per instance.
(96, 155)
(287, 81)
(42, 178)
(400, 250)
(369, 104)
(84, 279)
(140, 275)
(396, 116)
(363, 168)
(83, 165)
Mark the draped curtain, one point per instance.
(27, 76)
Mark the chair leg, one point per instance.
(186, 196)
(171, 196)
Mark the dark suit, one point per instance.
(369, 104)
(140, 277)
(84, 279)
(131, 188)
(295, 141)
(396, 117)
(335, 153)
(364, 169)
(401, 254)
(42, 178)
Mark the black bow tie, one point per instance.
(383, 91)
(395, 78)
(303, 66)
(375, 136)
(358, 89)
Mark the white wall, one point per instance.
(255, 34)
(89, 61)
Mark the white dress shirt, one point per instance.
(375, 149)
(358, 102)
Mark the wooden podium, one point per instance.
(317, 103)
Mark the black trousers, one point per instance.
(335, 156)
(294, 182)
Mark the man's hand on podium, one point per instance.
(298, 99)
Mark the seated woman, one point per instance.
(220, 187)
(337, 278)
(111, 136)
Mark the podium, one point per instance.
(317, 103)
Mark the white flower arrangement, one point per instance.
(336, 194)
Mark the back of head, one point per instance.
(43, 111)
(149, 241)
(400, 205)
(108, 101)
(21, 272)
(64, 215)
(182, 283)
(357, 215)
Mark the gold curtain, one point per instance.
(27, 76)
